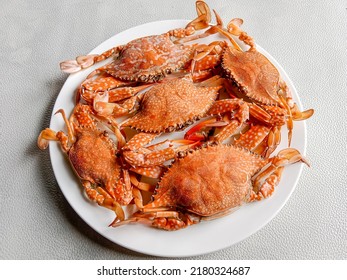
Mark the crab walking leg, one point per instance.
(259, 113)
(162, 219)
(141, 185)
(204, 59)
(200, 22)
(102, 198)
(47, 135)
(231, 127)
(253, 137)
(50, 135)
(239, 118)
(117, 90)
(260, 139)
(104, 108)
(137, 155)
(139, 140)
(174, 223)
(268, 186)
(274, 139)
(196, 133)
(265, 182)
(121, 185)
(85, 61)
(298, 115)
(151, 172)
(233, 28)
(137, 198)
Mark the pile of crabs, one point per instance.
(229, 101)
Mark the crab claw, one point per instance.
(195, 133)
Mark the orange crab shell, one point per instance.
(172, 104)
(93, 158)
(208, 181)
(149, 59)
(93, 154)
(253, 73)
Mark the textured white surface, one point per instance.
(307, 38)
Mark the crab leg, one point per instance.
(202, 21)
(136, 158)
(151, 172)
(141, 185)
(233, 27)
(231, 127)
(174, 223)
(238, 119)
(167, 220)
(115, 93)
(137, 198)
(206, 57)
(196, 134)
(85, 61)
(274, 139)
(49, 134)
(259, 113)
(139, 140)
(102, 82)
(121, 185)
(300, 116)
(137, 155)
(107, 109)
(100, 196)
(265, 181)
(253, 137)
(117, 90)
(45, 136)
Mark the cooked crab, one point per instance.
(257, 78)
(92, 154)
(150, 58)
(253, 73)
(211, 182)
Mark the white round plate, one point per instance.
(203, 238)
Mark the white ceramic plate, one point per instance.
(195, 240)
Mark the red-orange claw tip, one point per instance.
(195, 137)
